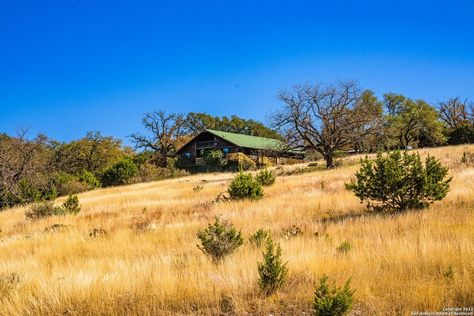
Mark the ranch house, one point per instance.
(238, 148)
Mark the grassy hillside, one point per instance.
(149, 263)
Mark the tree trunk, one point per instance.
(329, 160)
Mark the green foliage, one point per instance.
(332, 301)
(89, 178)
(214, 158)
(463, 134)
(411, 122)
(71, 205)
(259, 237)
(93, 153)
(344, 247)
(198, 188)
(397, 182)
(47, 209)
(272, 271)
(265, 177)
(66, 183)
(119, 173)
(449, 273)
(196, 122)
(219, 239)
(244, 186)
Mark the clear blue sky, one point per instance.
(71, 66)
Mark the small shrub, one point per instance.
(467, 158)
(244, 186)
(214, 158)
(47, 209)
(332, 301)
(98, 232)
(219, 239)
(265, 177)
(198, 188)
(42, 210)
(398, 182)
(227, 305)
(449, 273)
(259, 237)
(71, 205)
(271, 271)
(344, 247)
(66, 184)
(119, 174)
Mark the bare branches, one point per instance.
(164, 130)
(454, 112)
(323, 118)
(20, 160)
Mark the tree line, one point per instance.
(330, 118)
(42, 168)
(321, 119)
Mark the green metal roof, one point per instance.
(248, 141)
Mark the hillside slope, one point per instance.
(148, 262)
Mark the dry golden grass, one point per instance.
(397, 263)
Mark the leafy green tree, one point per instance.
(272, 271)
(89, 179)
(196, 122)
(462, 134)
(412, 121)
(92, 153)
(398, 182)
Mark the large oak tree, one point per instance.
(327, 118)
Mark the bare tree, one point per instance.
(454, 112)
(22, 163)
(165, 130)
(324, 118)
(471, 113)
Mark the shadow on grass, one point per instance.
(336, 219)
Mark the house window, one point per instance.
(187, 155)
(225, 150)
